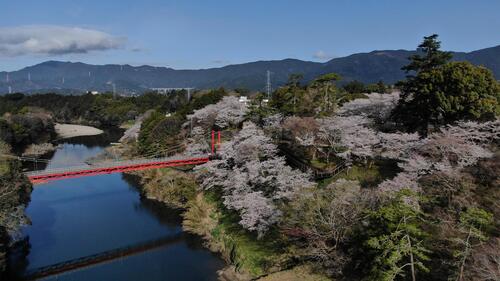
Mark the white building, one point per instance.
(243, 99)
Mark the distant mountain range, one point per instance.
(71, 77)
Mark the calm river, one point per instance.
(74, 218)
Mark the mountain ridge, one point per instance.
(75, 77)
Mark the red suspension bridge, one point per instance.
(110, 167)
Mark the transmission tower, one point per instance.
(268, 85)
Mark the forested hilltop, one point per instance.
(352, 183)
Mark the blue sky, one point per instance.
(202, 34)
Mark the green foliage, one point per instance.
(442, 92)
(292, 101)
(160, 133)
(381, 87)
(433, 57)
(327, 101)
(258, 110)
(354, 87)
(30, 125)
(211, 97)
(294, 79)
(474, 224)
(169, 186)
(99, 110)
(4, 164)
(206, 216)
(395, 238)
(305, 272)
(328, 78)
(454, 91)
(477, 221)
(247, 253)
(378, 87)
(367, 175)
(320, 97)
(357, 87)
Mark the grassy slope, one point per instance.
(238, 247)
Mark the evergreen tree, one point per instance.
(329, 99)
(432, 57)
(294, 79)
(354, 87)
(381, 87)
(442, 92)
(474, 223)
(396, 239)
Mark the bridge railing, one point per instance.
(110, 164)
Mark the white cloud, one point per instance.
(54, 40)
(321, 55)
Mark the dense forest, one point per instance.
(325, 180)
(29, 119)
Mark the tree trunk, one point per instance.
(412, 262)
(466, 253)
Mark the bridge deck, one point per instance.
(114, 167)
(100, 258)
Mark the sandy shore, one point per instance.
(70, 130)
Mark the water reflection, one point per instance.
(72, 218)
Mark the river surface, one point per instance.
(78, 217)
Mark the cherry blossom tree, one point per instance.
(375, 106)
(303, 129)
(226, 113)
(197, 143)
(351, 133)
(254, 180)
(446, 152)
(396, 145)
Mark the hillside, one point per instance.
(76, 76)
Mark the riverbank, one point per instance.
(36, 150)
(71, 130)
(247, 257)
(15, 190)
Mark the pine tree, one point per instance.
(396, 239)
(326, 83)
(473, 223)
(432, 57)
